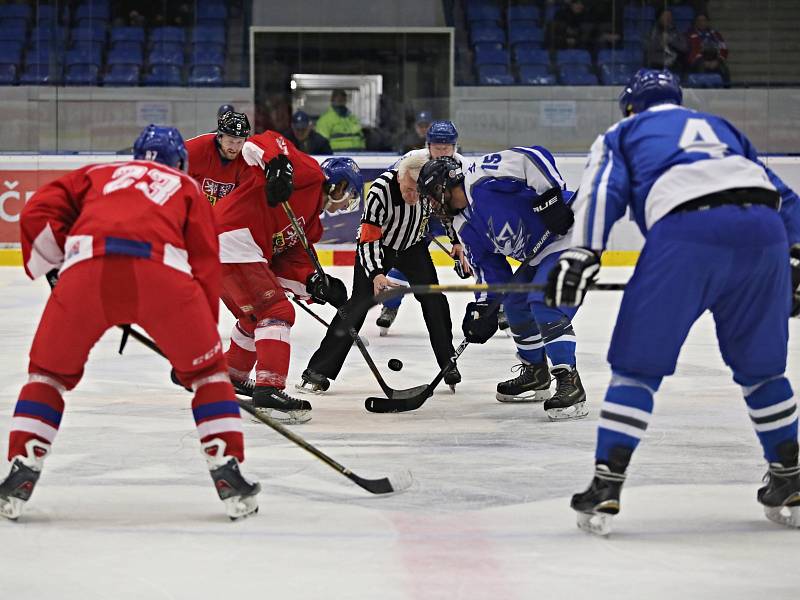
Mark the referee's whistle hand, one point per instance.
(380, 284)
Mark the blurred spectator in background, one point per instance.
(340, 126)
(607, 24)
(571, 27)
(302, 135)
(667, 47)
(415, 139)
(708, 52)
(279, 113)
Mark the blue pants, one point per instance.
(733, 262)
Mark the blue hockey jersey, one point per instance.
(661, 158)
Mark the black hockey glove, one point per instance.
(279, 173)
(328, 289)
(569, 279)
(459, 269)
(478, 325)
(52, 278)
(553, 212)
(794, 261)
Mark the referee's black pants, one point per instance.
(416, 264)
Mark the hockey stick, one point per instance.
(350, 330)
(457, 267)
(384, 485)
(319, 319)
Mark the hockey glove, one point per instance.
(279, 173)
(326, 289)
(794, 261)
(478, 325)
(553, 212)
(459, 269)
(52, 278)
(569, 279)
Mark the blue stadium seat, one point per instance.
(82, 75)
(164, 75)
(122, 75)
(83, 56)
(682, 25)
(483, 12)
(682, 12)
(125, 56)
(532, 71)
(569, 70)
(35, 75)
(523, 34)
(487, 46)
(616, 73)
(491, 57)
(529, 54)
(524, 12)
(207, 56)
(46, 13)
(13, 33)
(14, 23)
(496, 80)
(573, 57)
(487, 33)
(10, 52)
(162, 56)
(704, 80)
(127, 34)
(570, 77)
(634, 46)
(95, 33)
(127, 46)
(40, 55)
(15, 11)
(8, 74)
(633, 12)
(168, 34)
(627, 56)
(94, 11)
(47, 33)
(213, 13)
(492, 70)
(204, 34)
(538, 80)
(205, 75)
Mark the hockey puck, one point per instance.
(395, 364)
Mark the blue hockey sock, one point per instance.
(396, 277)
(527, 338)
(625, 413)
(773, 410)
(559, 341)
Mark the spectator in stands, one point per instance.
(667, 47)
(607, 23)
(302, 135)
(708, 52)
(571, 27)
(415, 139)
(340, 126)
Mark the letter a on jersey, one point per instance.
(698, 136)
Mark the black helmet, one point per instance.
(435, 178)
(233, 123)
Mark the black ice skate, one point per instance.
(243, 387)
(238, 494)
(600, 502)
(386, 318)
(569, 400)
(17, 488)
(781, 494)
(278, 405)
(452, 377)
(312, 382)
(531, 385)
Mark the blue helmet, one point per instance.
(647, 88)
(340, 168)
(442, 132)
(163, 145)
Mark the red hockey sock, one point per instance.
(241, 355)
(37, 414)
(216, 414)
(273, 349)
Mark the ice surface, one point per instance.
(125, 508)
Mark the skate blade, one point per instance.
(788, 516)
(595, 523)
(301, 387)
(11, 508)
(289, 417)
(576, 411)
(532, 396)
(453, 388)
(237, 507)
(384, 331)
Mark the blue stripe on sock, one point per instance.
(31, 408)
(224, 408)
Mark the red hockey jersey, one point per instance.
(217, 177)
(251, 231)
(137, 208)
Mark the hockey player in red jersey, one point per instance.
(133, 242)
(262, 256)
(215, 159)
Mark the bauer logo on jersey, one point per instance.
(214, 190)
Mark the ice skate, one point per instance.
(278, 405)
(18, 487)
(569, 400)
(531, 385)
(600, 502)
(452, 378)
(312, 382)
(385, 319)
(781, 494)
(238, 494)
(243, 387)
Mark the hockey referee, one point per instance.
(392, 234)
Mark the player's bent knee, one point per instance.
(281, 310)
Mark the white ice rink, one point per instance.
(125, 509)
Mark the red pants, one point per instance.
(102, 292)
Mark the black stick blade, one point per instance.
(386, 485)
(394, 405)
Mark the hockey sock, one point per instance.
(272, 348)
(216, 413)
(525, 332)
(558, 335)
(395, 276)
(773, 410)
(625, 413)
(241, 355)
(37, 414)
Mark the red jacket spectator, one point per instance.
(701, 37)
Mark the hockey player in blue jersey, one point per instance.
(719, 229)
(514, 204)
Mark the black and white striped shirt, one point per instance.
(401, 225)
